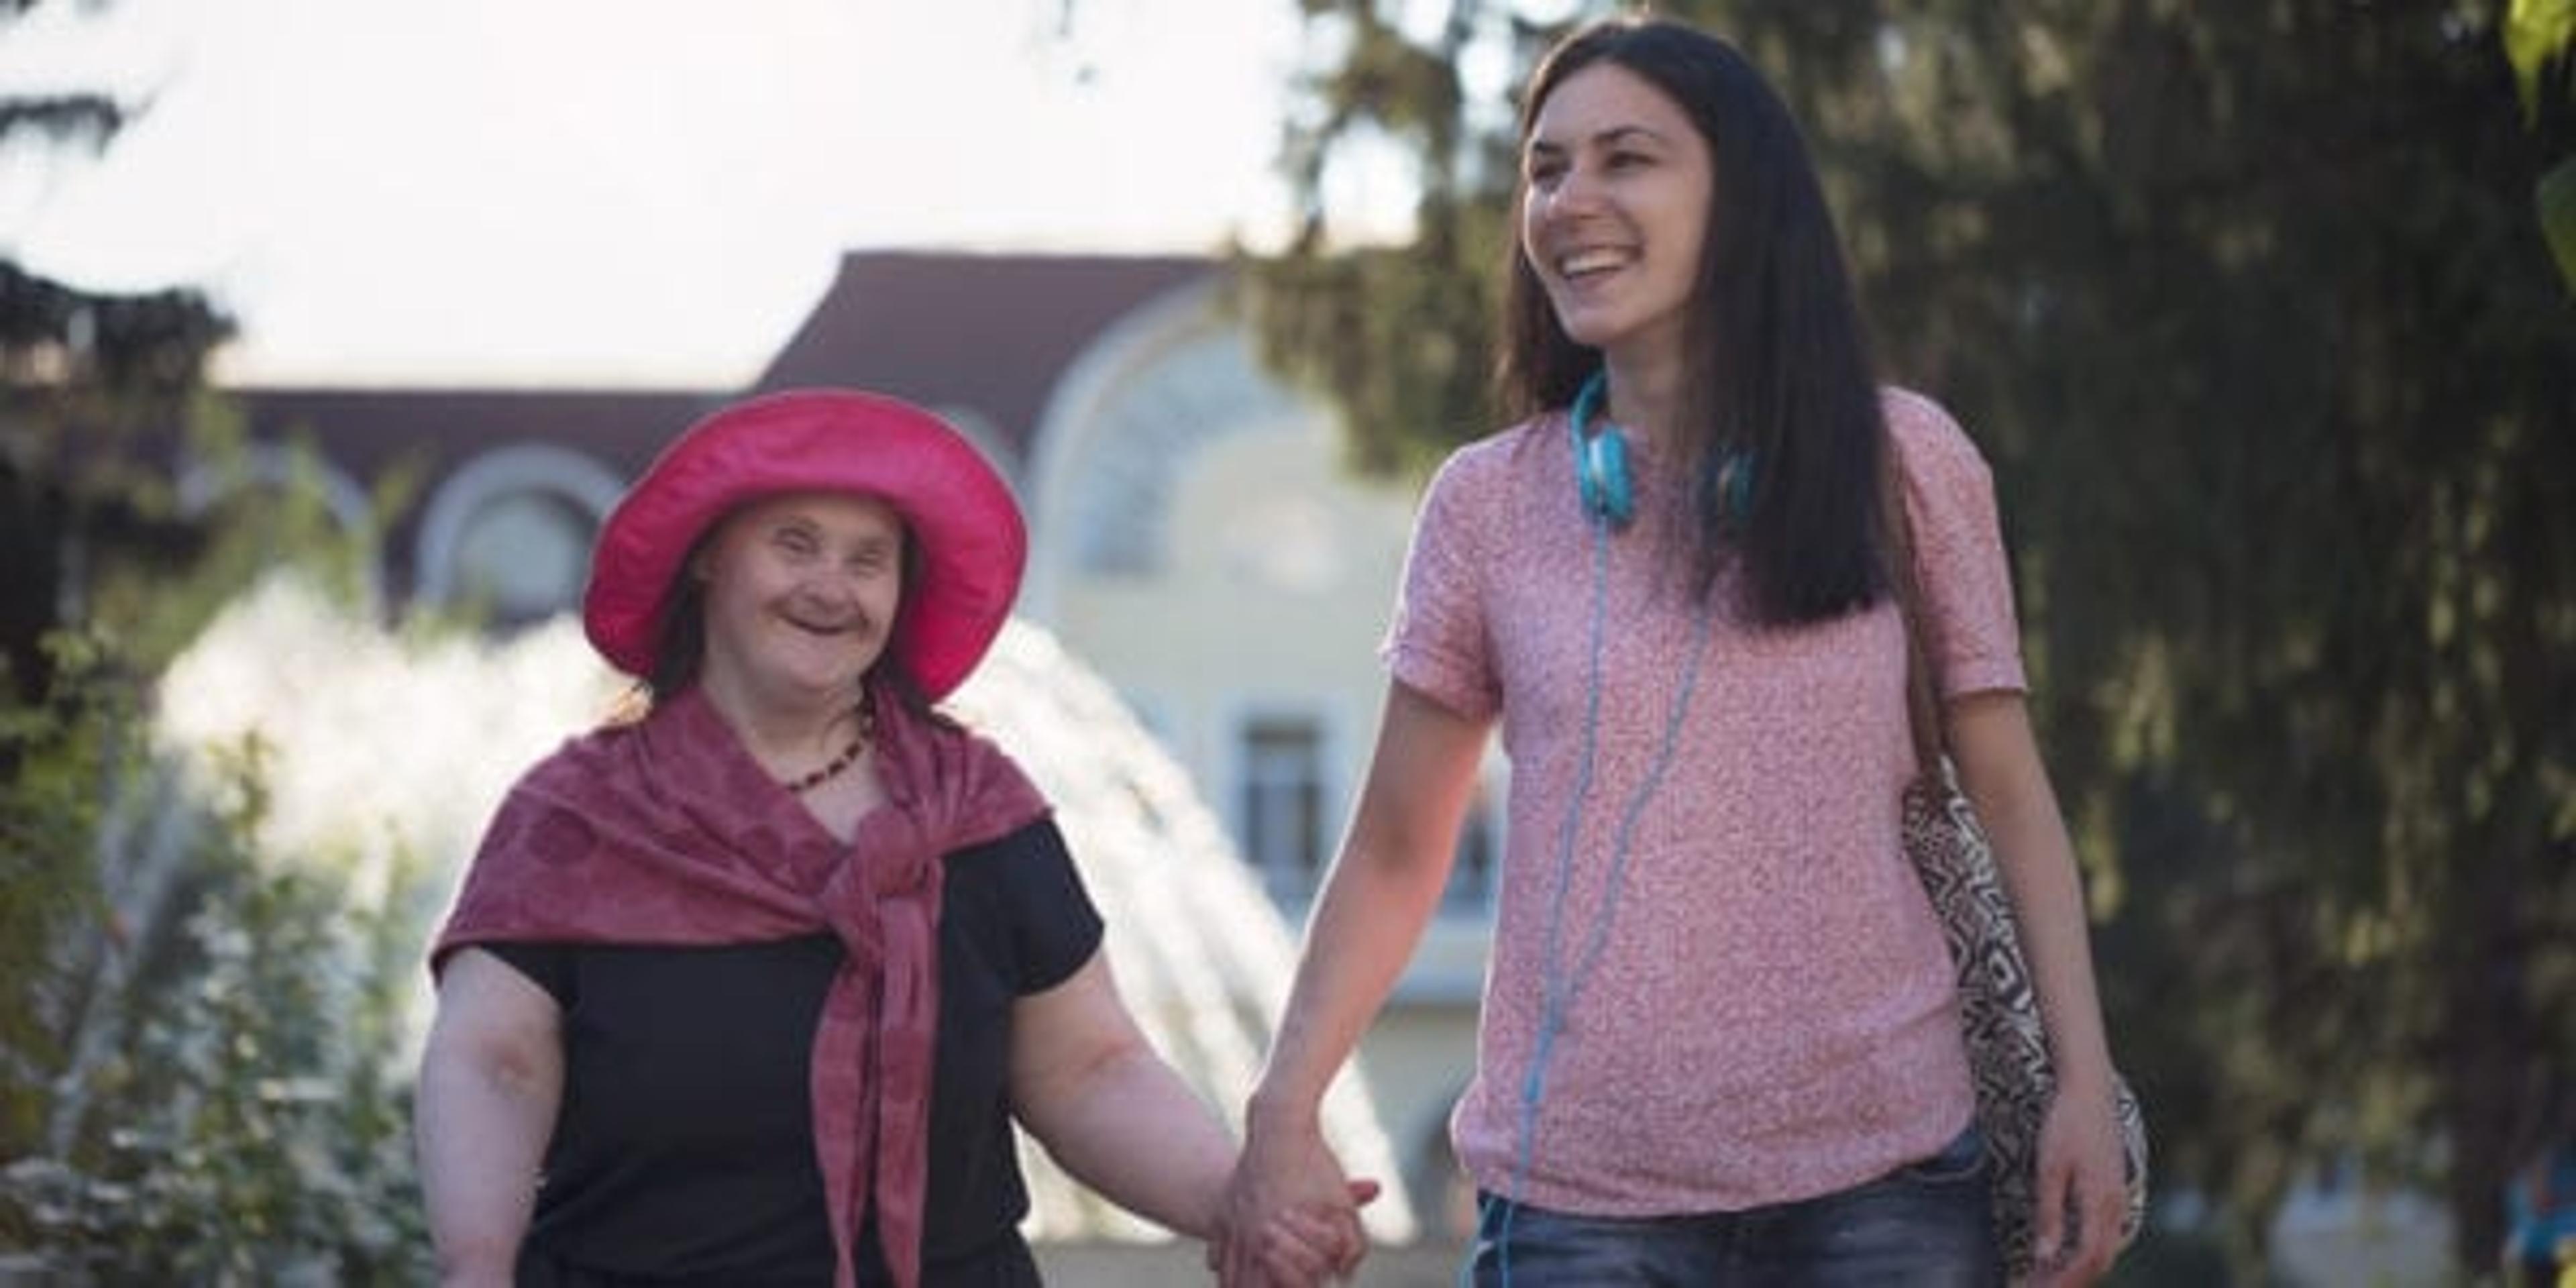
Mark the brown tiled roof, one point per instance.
(364, 431)
(993, 333)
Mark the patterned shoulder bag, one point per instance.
(2007, 1041)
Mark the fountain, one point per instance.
(379, 745)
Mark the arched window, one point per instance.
(263, 474)
(1153, 389)
(207, 485)
(509, 535)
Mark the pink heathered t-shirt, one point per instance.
(1771, 1015)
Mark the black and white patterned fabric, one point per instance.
(2007, 1042)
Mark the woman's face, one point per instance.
(1615, 208)
(801, 593)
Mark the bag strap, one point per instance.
(1922, 702)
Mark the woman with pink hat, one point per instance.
(750, 989)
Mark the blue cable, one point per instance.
(1562, 987)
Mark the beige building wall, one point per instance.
(1279, 578)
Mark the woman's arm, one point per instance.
(1109, 1110)
(491, 1078)
(1381, 891)
(1999, 767)
(1114, 1115)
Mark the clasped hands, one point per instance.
(1289, 1218)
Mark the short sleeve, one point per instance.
(1054, 926)
(1968, 620)
(1436, 640)
(547, 965)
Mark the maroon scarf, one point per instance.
(668, 832)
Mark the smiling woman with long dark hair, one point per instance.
(1721, 1041)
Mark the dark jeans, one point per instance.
(1925, 1225)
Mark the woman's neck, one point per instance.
(1645, 398)
(787, 737)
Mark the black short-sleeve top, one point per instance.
(683, 1152)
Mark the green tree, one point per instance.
(195, 1038)
(83, 373)
(210, 1093)
(86, 375)
(2247, 304)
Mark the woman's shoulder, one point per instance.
(1023, 890)
(1039, 839)
(1521, 442)
(576, 755)
(581, 757)
(1928, 439)
(1489, 461)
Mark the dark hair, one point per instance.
(682, 651)
(1780, 363)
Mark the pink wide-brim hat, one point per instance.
(972, 545)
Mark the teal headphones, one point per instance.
(1601, 464)
(1600, 458)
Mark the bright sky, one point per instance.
(621, 191)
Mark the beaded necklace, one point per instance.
(848, 757)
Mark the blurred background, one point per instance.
(332, 328)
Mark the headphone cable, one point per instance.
(1561, 987)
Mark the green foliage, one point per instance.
(2246, 305)
(2555, 196)
(162, 594)
(1407, 356)
(247, 1125)
(2540, 41)
(98, 473)
(53, 334)
(62, 756)
(1396, 336)
(87, 375)
(196, 1040)
(2536, 34)
(201, 1081)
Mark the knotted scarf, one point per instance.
(668, 832)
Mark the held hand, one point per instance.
(1289, 1216)
(2082, 1192)
(1302, 1247)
